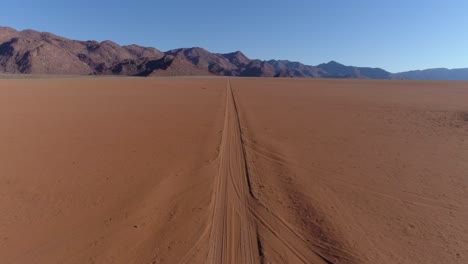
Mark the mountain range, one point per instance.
(33, 52)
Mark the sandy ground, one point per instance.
(208, 170)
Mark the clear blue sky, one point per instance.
(396, 35)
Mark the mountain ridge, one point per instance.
(35, 52)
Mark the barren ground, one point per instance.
(217, 170)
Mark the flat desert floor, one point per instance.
(218, 170)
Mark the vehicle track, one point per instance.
(239, 221)
(233, 234)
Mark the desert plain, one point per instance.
(233, 170)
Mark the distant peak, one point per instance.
(332, 62)
(133, 45)
(194, 48)
(29, 30)
(237, 53)
(236, 57)
(109, 42)
(187, 50)
(198, 49)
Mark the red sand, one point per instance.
(194, 170)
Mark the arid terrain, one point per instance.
(230, 170)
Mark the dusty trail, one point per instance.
(233, 235)
(240, 222)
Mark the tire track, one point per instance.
(233, 234)
(273, 231)
(240, 222)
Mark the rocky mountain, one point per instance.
(434, 74)
(30, 51)
(335, 70)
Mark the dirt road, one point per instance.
(241, 224)
(233, 235)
